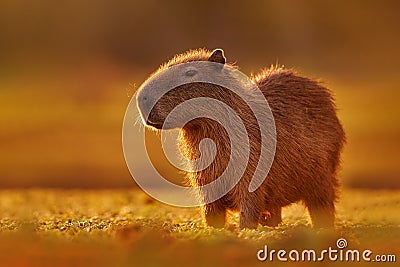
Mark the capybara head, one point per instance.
(155, 105)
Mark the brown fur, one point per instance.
(309, 142)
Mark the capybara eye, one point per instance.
(191, 73)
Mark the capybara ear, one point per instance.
(217, 56)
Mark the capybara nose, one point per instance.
(157, 125)
(142, 100)
(143, 103)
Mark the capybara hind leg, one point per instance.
(249, 216)
(272, 217)
(214, 215)
(322, 215)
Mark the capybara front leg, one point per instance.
(249, 215)
(214, 215)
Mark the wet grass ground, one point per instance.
(127, 228)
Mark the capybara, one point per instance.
(309, 140)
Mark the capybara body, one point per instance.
(308, 145)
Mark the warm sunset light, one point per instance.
(69, 71)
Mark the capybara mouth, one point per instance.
(157, 125)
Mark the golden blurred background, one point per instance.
(69, 68)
